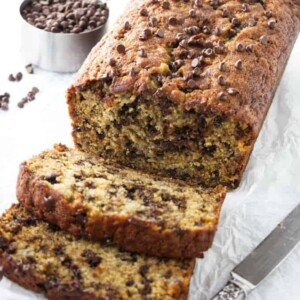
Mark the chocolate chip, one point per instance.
(235, 21)
(232, 91)
(160, 33)
(221, 66)
(29, 69)
(49, 203)
(21, 104)
(192, 84)
(142, 52)
(121, 49)
(221, 80)
(134, 72)
(144, 270)
(272, 23)
(127, 25)
(112, 62)
(245, 7)
(4, 106)
(145, 35)
(268, 14)
(198, 3)
(11, 77)
(192, 30)
(92, 259)
(166, 5)
(222, 96)
(172, 21)
(193, 13)
(249, 48)
(218, 31)
(263, 40)
(35, 90)
(144, 12)
(239, 47)
(130, 283)
(225, 13)
(153, 22)
(208, 52)
(238, 64)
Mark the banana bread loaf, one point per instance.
(181, 88)
(41, 258)
(138, 212)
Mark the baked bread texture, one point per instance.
(181, 88)
(138, 212)
(41, 258)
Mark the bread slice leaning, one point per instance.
(40, 257)
(138, 212)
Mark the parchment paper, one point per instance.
(269, 191)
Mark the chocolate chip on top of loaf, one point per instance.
(138, 212)
(165, 105)
(41, 258)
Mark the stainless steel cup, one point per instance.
(57, 52)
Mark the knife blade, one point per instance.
(264, 259)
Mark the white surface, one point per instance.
(270, 188)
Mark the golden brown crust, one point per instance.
(129, 233)
(255, 83)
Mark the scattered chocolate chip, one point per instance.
(49, 203)
(92, 259)
(172, 21)
(268, 14)
(134, 72)
(245, 7)
(193, 13)
(221, 80)
(192, 30)
(35, 90)
(153, 22)
(21, 104)
(232, 91)
(249, 48)
(112, 62)
(130, 283)
(225, 13)
(160, 33)
(145, 35)
(144, 12)
(127, 25)
(11, 77)
(192, 84)
(218, 31)
(238, 64)
(198, 3)
(272, 23)
(4, 106)
(166, 5)
(235, 21)
(142, 52)
(221, 66)
(121, 49)
(208, 52)
(19, 76)
(263, 40)
(144, 270)
(29, 69)
(222, 96)
(239, 47)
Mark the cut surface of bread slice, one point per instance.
(40, 257)
(138, 212)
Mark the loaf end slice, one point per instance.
(138, 212)
(188, 95)
(42, 258)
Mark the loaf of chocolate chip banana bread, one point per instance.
(181, 88)
(41, 258)
(137, 212)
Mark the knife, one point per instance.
(264, 259)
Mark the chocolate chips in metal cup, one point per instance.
(65, 16)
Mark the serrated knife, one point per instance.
(264, 259)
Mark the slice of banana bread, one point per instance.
(40, 257)
(181, 88)
(138, 212)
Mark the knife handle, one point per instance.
(231, 291)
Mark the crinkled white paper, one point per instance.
(269, 191)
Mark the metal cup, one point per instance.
(57, 52)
